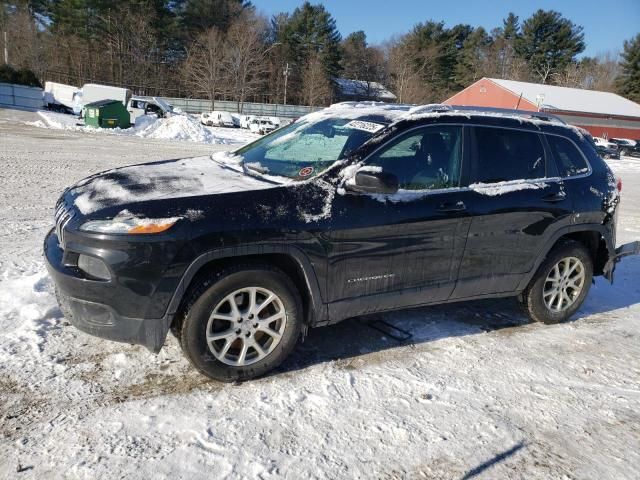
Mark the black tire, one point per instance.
(624, 152)
(532, 298)
(210, 292)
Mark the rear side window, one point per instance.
(568, 158)
(504, 155)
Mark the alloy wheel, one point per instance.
(246, 326)
(564, 284)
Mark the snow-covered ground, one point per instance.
(477, 392)
(177, 127)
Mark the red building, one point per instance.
(603, 114)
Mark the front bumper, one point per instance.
(82, 302)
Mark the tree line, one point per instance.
(225, 49)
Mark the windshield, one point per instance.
(306, 148)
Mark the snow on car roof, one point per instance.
(394, 113)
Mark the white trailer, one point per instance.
(92, 92)
(61, 98)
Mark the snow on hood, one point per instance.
(154, 181)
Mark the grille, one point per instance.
(63, 216)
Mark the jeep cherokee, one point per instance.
(355, 209)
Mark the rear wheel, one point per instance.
(242, 323)
(560, 285)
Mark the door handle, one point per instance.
(555, 197)
(449, 207)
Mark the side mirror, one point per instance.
(375, 182)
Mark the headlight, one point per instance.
(129, 225)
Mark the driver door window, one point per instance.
(427, 158)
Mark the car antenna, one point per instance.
(519, 98)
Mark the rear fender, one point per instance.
(587, 227)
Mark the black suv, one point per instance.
(358, 208)
(627, 147)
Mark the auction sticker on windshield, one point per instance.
(366, 126)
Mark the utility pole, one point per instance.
(6, 50)
(286, 77)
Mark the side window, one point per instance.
(504, 155)
(424, 159)
(569, 160)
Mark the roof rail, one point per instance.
(430, 108)
(543, 116)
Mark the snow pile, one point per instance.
(177, 127)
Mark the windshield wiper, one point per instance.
(252, 169)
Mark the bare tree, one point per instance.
(131, 48)
(25, 50)
(316, 86)
(245, 57)
(597, 73)
(408, 65)
(203, 68)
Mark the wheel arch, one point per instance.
(597, 239)
(290, 260)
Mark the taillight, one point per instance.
(619, 184)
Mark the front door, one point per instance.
(388, 251)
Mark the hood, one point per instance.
(164, 180)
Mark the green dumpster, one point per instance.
(106, 114)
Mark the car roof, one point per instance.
(390, 113)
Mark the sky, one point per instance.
(606, 23)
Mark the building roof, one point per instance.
(361, 88)
(571, 99)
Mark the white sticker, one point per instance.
(366, 126)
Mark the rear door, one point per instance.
(517, 201)
(405, 246)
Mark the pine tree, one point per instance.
(549, 42)
(473, 58)
(197, 16)
(311, 29)
(628, 82)
(504, 39)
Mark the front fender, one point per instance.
(318, 309)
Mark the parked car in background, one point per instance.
(217, 119)
(139, 106)
(261, 126)
(605, 143)
(606, 152)
(626, 146)
(357, 209)
(245, 120)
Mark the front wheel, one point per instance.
(560, 285)
(241, 323)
